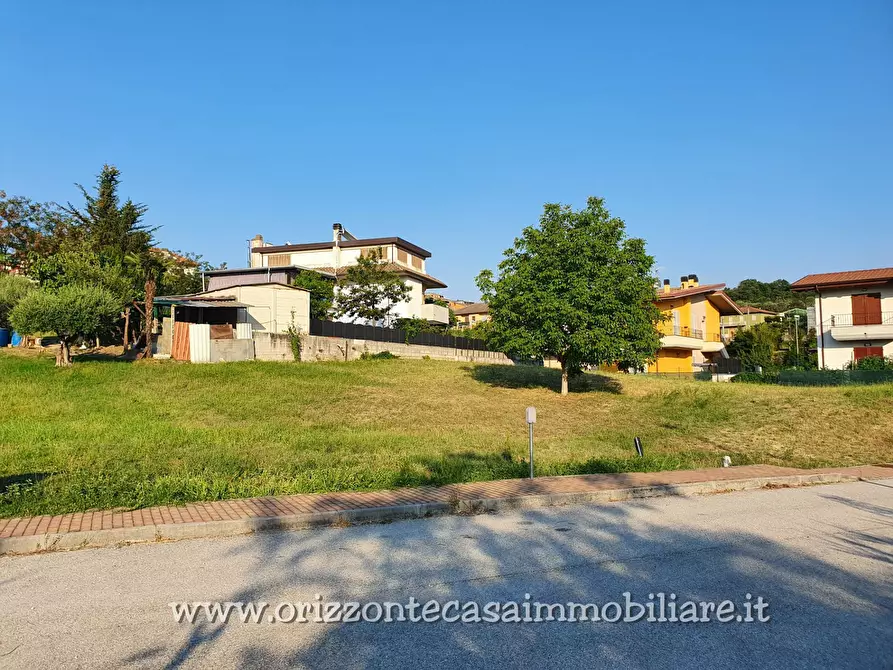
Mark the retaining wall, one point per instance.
(273, 347)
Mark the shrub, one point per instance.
(12, 289)
(380, 356)
(871, 363)
(756, 378)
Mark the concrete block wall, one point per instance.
(232, 350)
(320, 348)
(273, 347)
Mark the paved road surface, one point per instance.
(821, 556)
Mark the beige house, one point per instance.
(334, 257)
(729, 324)
(854, 314)
(473, 314)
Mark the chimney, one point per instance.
(683, 281)
(254, 259)
(692, 281)
(667, 287)
(337, 230)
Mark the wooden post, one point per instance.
(126, 326)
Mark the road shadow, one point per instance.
(593, 555)
(532, 376)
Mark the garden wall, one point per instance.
(274, 347)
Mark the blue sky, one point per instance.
(739, 139)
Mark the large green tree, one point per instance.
(575, 288)
(70, 312)
(370, 291)
(117, 234)
(30, 228)
(113, 229)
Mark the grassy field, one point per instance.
(114, 434)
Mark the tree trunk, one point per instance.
(63, 358)
(563, 378)
(126, 326)
(150, 300)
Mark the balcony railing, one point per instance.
(844, 320)
(682, 331)
(714, 337)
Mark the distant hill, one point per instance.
(775, 295)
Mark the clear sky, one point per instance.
(749, 139)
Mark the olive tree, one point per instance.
(70, 312)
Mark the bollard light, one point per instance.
(531, 419)
(638, 445)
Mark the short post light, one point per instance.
(531, 419)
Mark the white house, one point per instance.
(854, 314)
(402, 257)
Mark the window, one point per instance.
(373, 252)
(402, 256)
(275, 260)
(416, 262)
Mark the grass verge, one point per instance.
(111, 434)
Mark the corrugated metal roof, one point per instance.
(193, 301)
(259, 270)
(837, 278)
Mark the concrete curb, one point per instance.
(119, 536)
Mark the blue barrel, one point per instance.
(16, 339)
(4, 337)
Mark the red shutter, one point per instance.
(866, 309)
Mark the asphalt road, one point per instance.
(822, 557)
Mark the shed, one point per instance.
(270, 307)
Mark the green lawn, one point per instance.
(113, 434)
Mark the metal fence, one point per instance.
(834, 377)
(353, 331)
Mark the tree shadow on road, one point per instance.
(824, 614)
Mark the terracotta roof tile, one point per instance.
(427, 280)
(685, 292)
(837, 278)
(474, 308)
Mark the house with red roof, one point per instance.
(854, 314)
(691, 335)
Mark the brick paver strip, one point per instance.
(314, 503)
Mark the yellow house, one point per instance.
(471, 315)
(691, 336)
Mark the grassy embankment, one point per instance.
(114, 434)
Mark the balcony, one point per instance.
(435, 313)
(861, 327)
(681, 337)
(713, 342)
